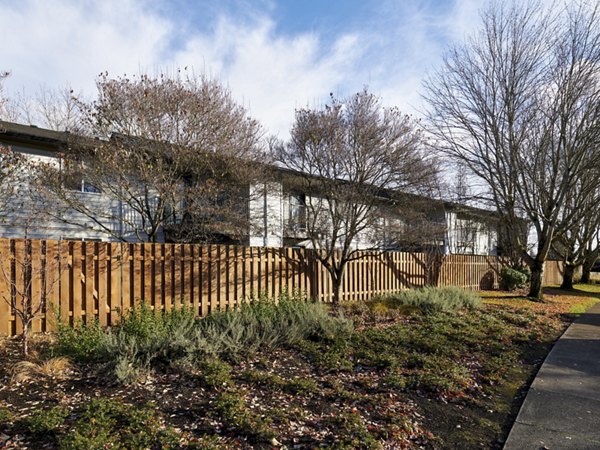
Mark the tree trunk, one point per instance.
(537, 278)
(568, 276)
(336, 279)
(588, 264)
(25, 340)
(586, 275)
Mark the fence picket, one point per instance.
(5, 288)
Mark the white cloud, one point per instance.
(52, 43)
(272, 74)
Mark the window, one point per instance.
(296, 219)
(73, 178)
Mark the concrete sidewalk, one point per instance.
(562, 407)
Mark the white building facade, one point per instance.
(277, 216)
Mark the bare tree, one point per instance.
(54, 109)
(351, 157)
(579, 242)
(173, 153)
(27, 302)
(591, 255)
(518, 105)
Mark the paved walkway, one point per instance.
(562, 407)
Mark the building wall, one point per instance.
(25, 215)
(266, 215)
(470, 236)
(268, 207)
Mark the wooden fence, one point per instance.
(553, 272)
(83, 281)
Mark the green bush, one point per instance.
(47, 420)
(513, 278)
(145, 340)
(6, 416)
(430, 299)
(82, 342)
(107, 423)
(232, 409)
(263, 325)
(215, 373)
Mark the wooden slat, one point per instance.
(35, 248)
(126, 278)
(256, 272)
(226, 275)
(102, 283)
(208, 276)
(195, 279)
(88, 280)
(168, 277)
(19, 280)
(178, 276)
(66, 282)
(137, 284)
(218, 278)
(238, 270)
(5, 288)
(78, 282)
(148, 274)
(202, 281)
(186, 291)
(158, 286)
(115, 255)
(52, 286)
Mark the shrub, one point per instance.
(107, 423)
(354, 431)
(145, 340)
(511, 278)
(215, 373)
(430, 299)
(264, 324)
(83, 342)
(6, 416)
(47, 420)
(232, 409)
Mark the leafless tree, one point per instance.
(173, 153)
(352, 157)
(26, 302)
(54, 109)
(591, 255)
(518, 104)
(579, 242)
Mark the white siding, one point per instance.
(470, 236)
(266, 215)
(24, 218)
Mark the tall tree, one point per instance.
(579, 242)
(54, 109)
(175, 154)
(518, 104)
(351, 155)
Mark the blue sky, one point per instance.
(273, 55)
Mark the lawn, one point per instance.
(389, 373)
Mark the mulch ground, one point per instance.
(306, 406)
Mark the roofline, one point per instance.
(33, 134)
(57, 140)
